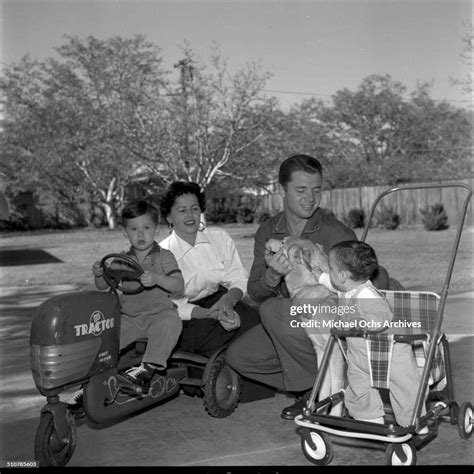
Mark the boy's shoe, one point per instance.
(141, 376)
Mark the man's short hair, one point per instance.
(356, 257)
(304, 163)
(139, 208)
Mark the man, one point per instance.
(274, 353)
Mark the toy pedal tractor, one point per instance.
(74, 341)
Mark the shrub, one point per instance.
(230, 209)
(434, 217)
(244, 215)
(388, 218)
(355, 218)
(221, 215)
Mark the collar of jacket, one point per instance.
(313, 224)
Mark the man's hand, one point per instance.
(278, 263)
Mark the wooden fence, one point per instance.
(405, 203)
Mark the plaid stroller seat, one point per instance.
(416, 313)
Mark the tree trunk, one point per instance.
(111, 215)
(109, 205)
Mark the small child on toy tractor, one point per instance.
(147, 309)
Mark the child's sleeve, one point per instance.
(325, 280)
(374, 309)
(168, 263)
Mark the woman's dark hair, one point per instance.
(298, 163)
(356, 257)
(178, 188)
(139, 208)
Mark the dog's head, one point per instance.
(305, 256)
(305, 252)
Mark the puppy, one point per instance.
(306, 256)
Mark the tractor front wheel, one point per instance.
(50, 450)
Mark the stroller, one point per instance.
(425, 311)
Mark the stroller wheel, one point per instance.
(394, 457)
(465, 420)
(323, 453)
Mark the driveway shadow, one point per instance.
(21, 256)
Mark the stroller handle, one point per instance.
(435, 335)
(457, 238)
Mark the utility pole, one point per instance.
(186, 76)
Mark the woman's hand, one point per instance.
(203, 313)
(223, 311)
(224, 305)
(229, 322)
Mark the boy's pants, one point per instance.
(161, 329)
(363, 401)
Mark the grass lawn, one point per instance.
(417, 258)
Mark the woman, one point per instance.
(211, 308)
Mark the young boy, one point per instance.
(351, 264)
(150, 313)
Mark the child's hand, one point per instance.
(149, 278)
(97, 269)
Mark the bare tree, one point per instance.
(212, 117)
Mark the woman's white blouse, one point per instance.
(212, 261)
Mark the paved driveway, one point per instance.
(180, 433)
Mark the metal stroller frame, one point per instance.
(401, 442)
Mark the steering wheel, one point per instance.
(122, 273)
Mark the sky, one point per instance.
(311, 47)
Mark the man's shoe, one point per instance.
(290, 412)
(141, 376)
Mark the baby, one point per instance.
(351, 264)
